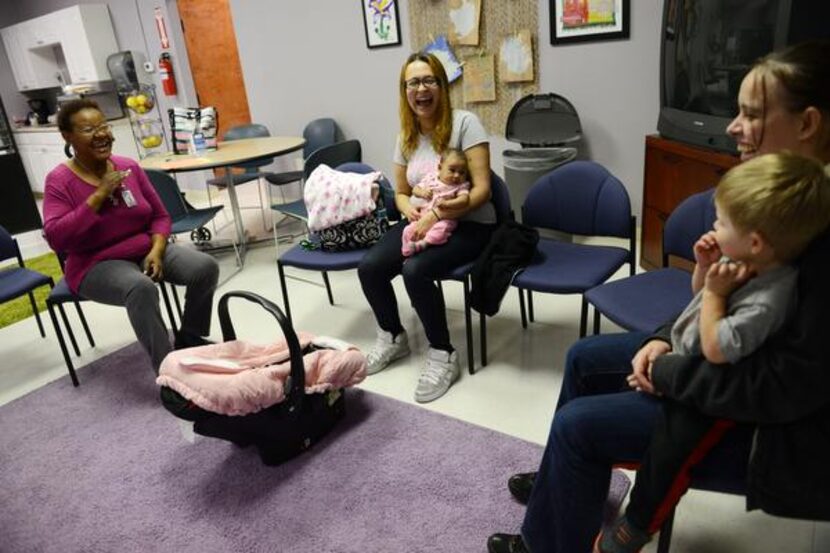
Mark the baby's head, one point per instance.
(771, 207)
(452, 168)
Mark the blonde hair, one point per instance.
(410, 130)
(782, 196)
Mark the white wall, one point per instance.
(303, 60)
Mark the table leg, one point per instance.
(237, 219)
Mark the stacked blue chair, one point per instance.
(579, 198)
(645, 301)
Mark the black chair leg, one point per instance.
(583, 318)
(37, 315)
(530, 305)
(664, 542)
(176, 301)
(482, 326)
(596, 320)
(69, 330)
(328, 287)
(468, 327)
(51, 308)
(285, 304)
(84, 324)
(168, 306)
(522, 307)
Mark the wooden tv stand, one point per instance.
(673, 172)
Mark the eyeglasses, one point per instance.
(89, 131)
(428, 82)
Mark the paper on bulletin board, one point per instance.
(465, 18)
(480, 79)
(440, 48)
(516, 58)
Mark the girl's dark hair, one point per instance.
(71, 108)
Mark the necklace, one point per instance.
(112, 198)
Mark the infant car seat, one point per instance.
(279, 432)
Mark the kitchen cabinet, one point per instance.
(87, 39)
(75, 41)
(673, 172)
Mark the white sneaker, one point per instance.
(440, 371)
(387, 348)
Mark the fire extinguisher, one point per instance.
(168, 79)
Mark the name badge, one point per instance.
(128, 198)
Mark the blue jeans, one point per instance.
(598, 423)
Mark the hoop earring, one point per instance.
(67, 150)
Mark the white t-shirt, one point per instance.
(467, 131)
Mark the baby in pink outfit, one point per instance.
(448, 187)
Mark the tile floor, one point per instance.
(514, 394)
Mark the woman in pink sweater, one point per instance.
(102, 212)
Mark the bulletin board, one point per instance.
(499, 19)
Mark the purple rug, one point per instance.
(104, 468)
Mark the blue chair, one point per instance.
(332, 155)
(185, 218)
(579, 198)
(61, 294)
(17, 281)
(500, 197)
(318, 133)
(250, 169)
(645, 301)
(318, 260)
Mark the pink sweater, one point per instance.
(115, 232)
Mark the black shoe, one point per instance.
(187, 340)
(520, 486)
(506, 543)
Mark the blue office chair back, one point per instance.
(387, 193)
(694, 216)
(580, 197)
(251, 130)
(168, 192)
(333, 156)
(318, 134)
(8, 246)
(500, 197)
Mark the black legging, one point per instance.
(385, 261)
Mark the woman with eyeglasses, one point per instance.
(429, 125)
(102, 212)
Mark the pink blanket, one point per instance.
(239, 378)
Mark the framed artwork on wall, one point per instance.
(381, 23)
(588, 20)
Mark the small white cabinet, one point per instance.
(75, 40)
(87, 39)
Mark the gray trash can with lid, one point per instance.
(547, 127)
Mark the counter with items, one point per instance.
(41, 148)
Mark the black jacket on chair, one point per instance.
(511, 248)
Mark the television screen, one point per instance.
(710, 45)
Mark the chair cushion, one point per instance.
(61, 294)
(318, 260)
(565, 268)
(238, 178)
(460, 273)
(643, 302)
(279, 179)
(294, 209)
(195, 219)
(18, 281)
